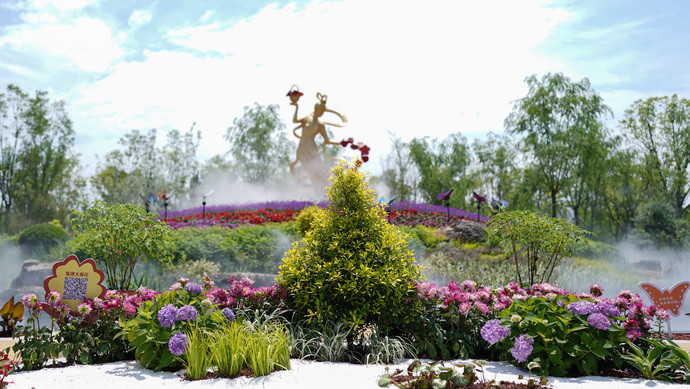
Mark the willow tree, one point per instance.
(555, 116)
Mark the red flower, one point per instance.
(295, 93)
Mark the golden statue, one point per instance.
(307, 152)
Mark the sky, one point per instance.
(400, 67)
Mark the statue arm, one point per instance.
(294, 131)
(342, 117)
(294, 117)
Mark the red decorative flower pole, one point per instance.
(480, 199)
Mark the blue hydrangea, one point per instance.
(599, 320)
(178, 343)
(187, 312)
(522, 348)
(229, 314)
(493, 332)
(194, 288)
(167, 315)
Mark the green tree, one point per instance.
(36, 155)
(120, 235)
(623, 191)
(497, 157)
(443, 165)
(259, 146)
(554, 115)
(659, 128)
(399, 173)
(141, 168)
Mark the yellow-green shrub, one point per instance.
(307, 217)
(353, 267)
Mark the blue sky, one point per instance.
(413, 68)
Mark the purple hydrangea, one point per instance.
(582, 307)
(493, 332)
(194, 288)
(187, 312)
(608, 309)
(167, 315)
(229, 314)
(178, 343)
(599, 320)
(522, 348)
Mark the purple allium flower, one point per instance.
(493, 332)
(178, 343)
(194, 288)
(582, 307)
(522, 348)
(599, 320)
(167, 315)
(187, 312)
(229, 314)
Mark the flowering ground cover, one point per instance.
(231, 216)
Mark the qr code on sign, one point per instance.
(75, 288)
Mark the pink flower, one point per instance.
(634, 334)
(663, 315)
(465, 308)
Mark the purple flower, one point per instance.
(493, 332)
(178, 344)
(582, 307)
(599, 320)
(167, 315)
(608, 309)
(187, 312)
(194, 288)
(522, 348)
(229, 314)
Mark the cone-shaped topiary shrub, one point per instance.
(352, 266)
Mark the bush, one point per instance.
(353, 267)
(40, 238)
(118, 236)
(248, 248)
(539, 241)
(597, 250)
(307, 217)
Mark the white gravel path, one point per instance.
(304, 374)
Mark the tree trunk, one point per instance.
(553, 202)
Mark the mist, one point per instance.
(11, 261)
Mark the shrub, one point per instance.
(247, 248)
(118, 236)
(538, 240)
(353, 267)
(306, 219)
(40, 238)
(597, 250)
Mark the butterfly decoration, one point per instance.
(670, 300)
(445, 195)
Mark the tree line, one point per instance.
(557, 156)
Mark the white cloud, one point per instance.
(62, 5)
(83, 42)
(139, 17)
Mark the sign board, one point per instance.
(76, 281)
(670, 300)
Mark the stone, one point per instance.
(33, 273)
(465, 231)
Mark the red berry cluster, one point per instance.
(364, 149)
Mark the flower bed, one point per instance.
(231, 216)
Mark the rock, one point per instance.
(465, 231)
(33, 273)
(260, 279)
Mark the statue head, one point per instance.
(320, 107)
